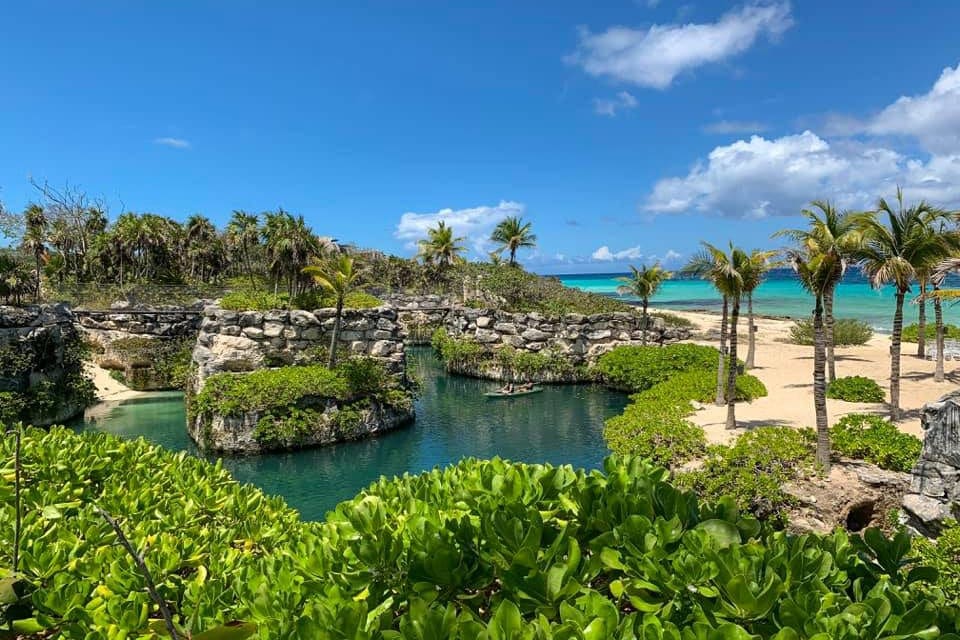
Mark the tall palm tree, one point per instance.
(35, 238)
(513, 233)
(441, 248)
(726, 272)
(892, 252)
(758, 264)
(243, 233)
(337, 276)
(290, 243)
(838, 234)
(644, 284)
(202, 246)
(817, 272)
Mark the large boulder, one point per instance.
(934, 494)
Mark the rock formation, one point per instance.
(935, 488)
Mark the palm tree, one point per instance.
(243, 233)
(817, 272)
(891, 254)
(441, 248)
(513, 233)
(290, 243)
(337, 276)
(644, 283)
(202, 246)
(838, 234)
(758, 264)
(34, 239)
(726, 272)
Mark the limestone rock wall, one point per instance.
(236, 434)
(419, 315)
(40, 365)
(248, 340)
(935, 486)
(579, 337)
(140, 342)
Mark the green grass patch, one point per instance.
(233, 394)
(875, 440)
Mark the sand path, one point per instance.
(787, 372)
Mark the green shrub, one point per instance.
(878, 441)
(944, 556)
(855, 389)
(254, 301)
(364, 376)
(911, 332)
(673, 320)
(457, 351)
(232, 394)
(754, 469)
(847, 332)
(633, 368)
(317, 299)
(483, 549)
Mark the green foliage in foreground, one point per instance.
(246, 300)
(855, 389)
(911, 332)
(484, 550)
(876, 440)
(632, 368)
(847, 332)
(944, 556)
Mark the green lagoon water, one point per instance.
(779, 295)
(563, 424)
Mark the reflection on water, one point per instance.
(563, 424)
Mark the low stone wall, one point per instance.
(419, 315)
(41, 369)
(578, 339)
(140, 343)
(249, 340)
(934, 494)
(237, 434)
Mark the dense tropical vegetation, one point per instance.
(484, 549)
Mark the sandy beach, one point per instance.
(787, 372)
(109, 391)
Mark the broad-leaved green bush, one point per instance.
(855, 389)
(944, 556)
(636, 368)
(876, 440)
(911, 332)
(232, 394)
(847, 332)
(485, 550)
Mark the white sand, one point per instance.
(787, 372)
(108, 389)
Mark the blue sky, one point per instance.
(626, 131)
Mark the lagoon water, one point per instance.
(780, 295)
(563, 424)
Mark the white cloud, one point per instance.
(475, 224)
(610, 106)
(735, 126)
(932, 118)
(176, 143)
(653, 57)
(603, 254)
(758, 177)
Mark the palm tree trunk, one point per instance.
(820, 386)
(332, 360)
(723, 348)
(513, 257)
(938, 315)
(828, 324)
(38, 278)
(732, 366)
(922, 322)
(643, 324)
(751, 329)
(895, 358)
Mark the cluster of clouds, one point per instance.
(475, 224)
(852, 163)
(655, 56)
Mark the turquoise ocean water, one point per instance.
(779, 295)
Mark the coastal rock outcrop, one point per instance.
(935, 487)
